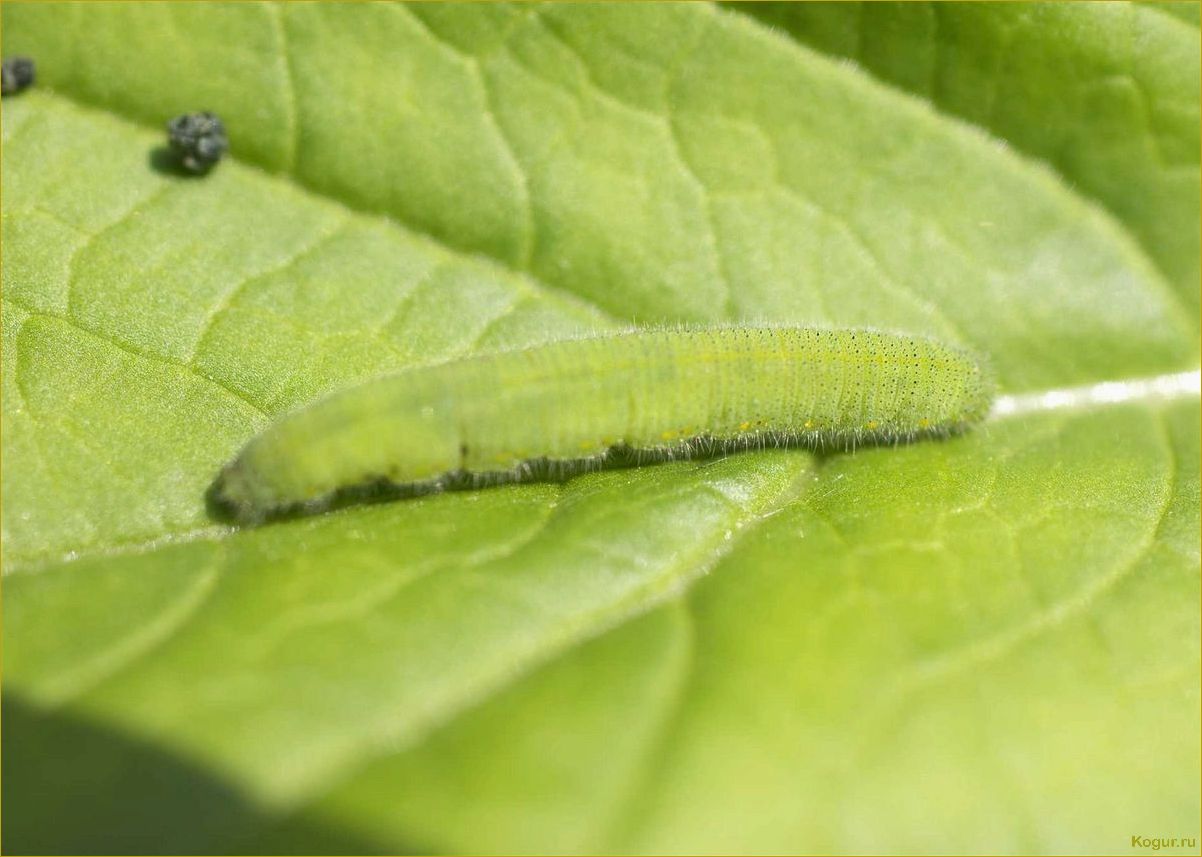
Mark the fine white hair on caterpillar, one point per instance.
(623, 399)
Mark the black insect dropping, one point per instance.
(199, 138)
(16, 74)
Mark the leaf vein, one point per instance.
(138, 352)
(227, 300)
(292, 113)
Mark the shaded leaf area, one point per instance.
(886, 623)
(1107, 94)
(986, 644)
(97, 772)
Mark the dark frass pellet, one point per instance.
(16, 73)
(199, 138)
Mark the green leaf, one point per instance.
(1106, 94)
(1189, 11)
(985, 644)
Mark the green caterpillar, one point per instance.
(647, 394)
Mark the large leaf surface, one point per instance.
(1078, 89)
(984, 644)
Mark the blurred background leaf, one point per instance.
(988, 644)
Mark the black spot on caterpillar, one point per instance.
(548, 411)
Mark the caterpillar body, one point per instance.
(641, 395)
